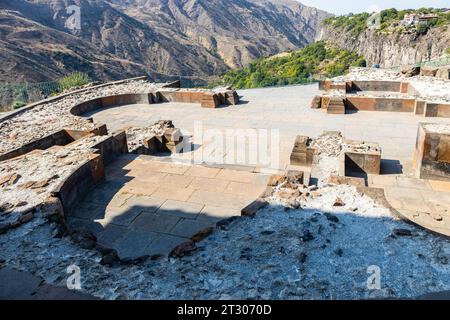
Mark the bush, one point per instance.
(18, 104)
(303, 66)
(74, 80)
(421, 28)
(447, 51)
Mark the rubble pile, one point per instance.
(137, 135)
(329, 143)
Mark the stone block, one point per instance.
(231, 97)
(302, 154)
(324, 85)
(212, 213)
(360, 103)
(410, 71)
(419, 108)
(443, 151)
(316, 102)
(188, 228)
(295, 176)
(404, 87)
(325, 102)
(155, 222)
(432, 154)
(254, 207)
(181, 209)
(362, 156)
(352, 181)
(172, 134)
(210, 100)
(338, 86)
(336, 105)
(437, 110)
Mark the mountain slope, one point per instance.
(237, 30)
(192, 38)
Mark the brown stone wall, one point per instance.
(390, 86)
(437, 110)
(79, 183)
(111, 101)
(380, 104)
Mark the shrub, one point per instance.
(421, 28)
(74, 80)
(303, 66)
(18, 104)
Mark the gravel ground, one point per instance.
(279, 254)
(311, 242)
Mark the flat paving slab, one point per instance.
(284, 109)
(147, 207)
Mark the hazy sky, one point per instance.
(346, 6)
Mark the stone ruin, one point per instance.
(361, 94)
(354, 156)
(69, 153)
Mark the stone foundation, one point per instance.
(343, 96)
(60, 138)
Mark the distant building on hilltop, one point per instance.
(414, 19)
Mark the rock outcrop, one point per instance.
(393, 49)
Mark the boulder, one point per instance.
(183, 249)
(428, 71)
(410, 71)
(443, 73)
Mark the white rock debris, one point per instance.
(50, 117)
(437, 127)
(279, 254)
(38, 173)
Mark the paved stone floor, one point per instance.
(425, 202)
(286, 109)
(19, 285)
(146, 207)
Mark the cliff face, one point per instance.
(236, 31)
(390, 50)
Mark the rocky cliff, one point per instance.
(390, 49)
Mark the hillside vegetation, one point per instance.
(313, 62)
(390, 21)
